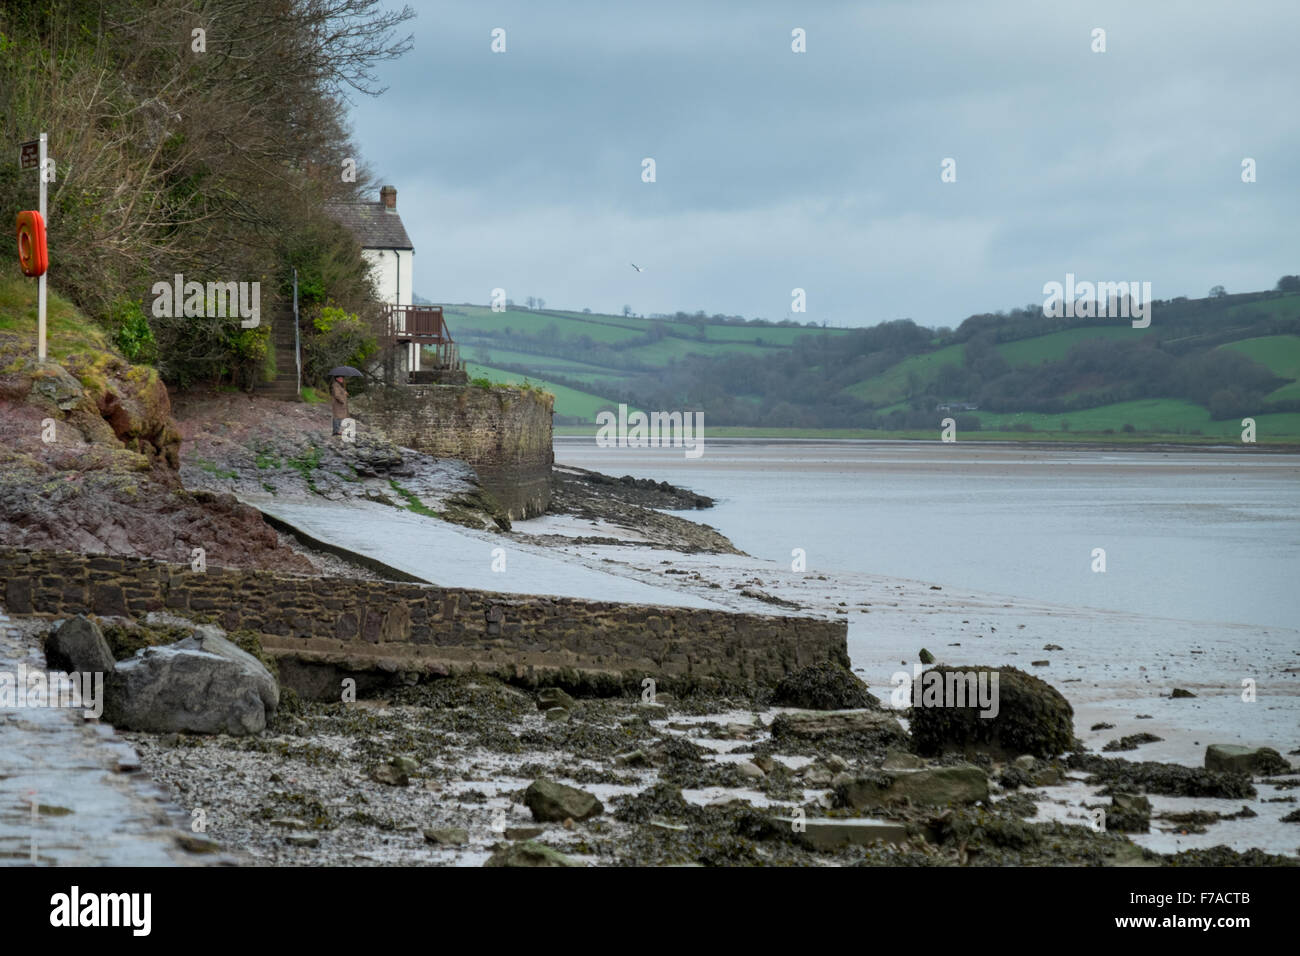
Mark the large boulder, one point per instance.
(823, 686)
(940, 786)
(78, 646)
(203, 684)
(1028, 715)
(1233, 758)
(553, 802)
(212, 640)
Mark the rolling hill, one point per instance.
(1201, 366)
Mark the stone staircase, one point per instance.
(285, 384)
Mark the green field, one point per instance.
(464, 320)
(1054, 345)
(1280, 354)
(1162, 415)
(491, 355)
(1282, 307)
(568, 401)
(892, 385)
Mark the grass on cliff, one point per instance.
(568, 401)
(73, 341)
(68, 332)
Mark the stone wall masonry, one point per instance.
(505, 433)
(319, 628)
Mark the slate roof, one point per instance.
(374, 226)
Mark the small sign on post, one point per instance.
(29, 155)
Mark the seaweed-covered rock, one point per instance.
(529, 853)
(1167, 779)
(867, 734)
(1226, 856)
(1012, 778)
(1232, 758)
(1028, 715)
(834, 723)
(549, 698)
(1131, 742)
(661, 800)
(824, 686)
(940, 786)
(1128, 813)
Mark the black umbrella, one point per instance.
(347, 371)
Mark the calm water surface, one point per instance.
(1205, 536)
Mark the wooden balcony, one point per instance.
(418, 323)
(424, 326)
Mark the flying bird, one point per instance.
(636, 267)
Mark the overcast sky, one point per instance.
(821, 170)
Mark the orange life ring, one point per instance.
(33, 254)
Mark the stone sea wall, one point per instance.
(505, 433)
(322, 628)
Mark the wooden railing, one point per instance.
(423, 323)
(425, 326)
(444, 356)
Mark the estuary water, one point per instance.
(1209, 536)
(985, 554)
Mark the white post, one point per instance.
(297, 344)
(40, 283)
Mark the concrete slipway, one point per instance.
(446, 554)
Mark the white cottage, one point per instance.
(388, 249)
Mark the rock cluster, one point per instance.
(201, 684)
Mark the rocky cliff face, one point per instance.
(89, 459)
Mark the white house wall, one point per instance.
(394, 279)
(388, 266)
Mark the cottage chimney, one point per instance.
(388, 196)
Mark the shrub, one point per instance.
(250, 352)
(130, 331)
(339, 338)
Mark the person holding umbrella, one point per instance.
(339, 394)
